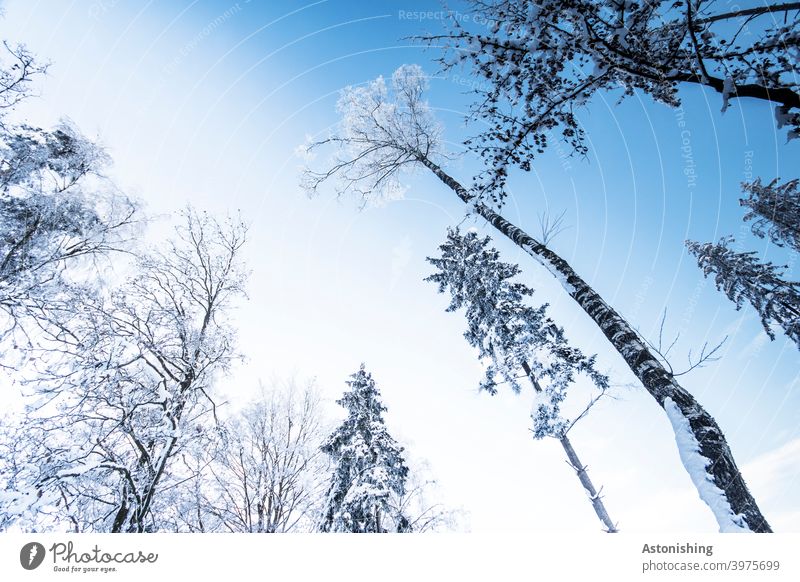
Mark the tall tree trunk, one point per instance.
(742, 512)
(580, 468)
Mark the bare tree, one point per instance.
(420, 503)
(56, 207)
(265, 473)
(123, 381)
(18, 69)
(383, 135)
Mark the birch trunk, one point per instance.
(722, 470)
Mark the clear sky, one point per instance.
(205, 102)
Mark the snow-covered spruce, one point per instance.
(743, 278)
(368, 466)
(516, 340)
(774, 209)
(369, 158)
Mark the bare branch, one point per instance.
(551, 227)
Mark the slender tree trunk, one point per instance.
(594, 496)
(122, 513)
(580, 468)
(722, 471)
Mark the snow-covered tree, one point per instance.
(265, 473)
(385, 133)
(743, 278)
(541, 60)
(18, 69)
(121, 382)
(774, 209)
(517, 340)
(56, 208)
(368, 466)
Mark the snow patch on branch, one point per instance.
(728, 89)
(696, 464)
(17, 502)
(78, 470)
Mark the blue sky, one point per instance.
(206, 103)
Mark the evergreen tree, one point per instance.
(742, 277)
(775, 210)
(514, 337)
(368, 466)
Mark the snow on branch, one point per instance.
(383, 133)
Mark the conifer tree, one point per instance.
(368, 466)
(517, 340)
(775, 211)
(742, 277)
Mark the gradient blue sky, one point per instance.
(205, 102)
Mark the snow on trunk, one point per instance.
(696, 465)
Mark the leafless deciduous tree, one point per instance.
(420, 503)
(123, 382)
(18, 69)
(56, 208)
(265, 473)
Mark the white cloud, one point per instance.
(774, 479)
